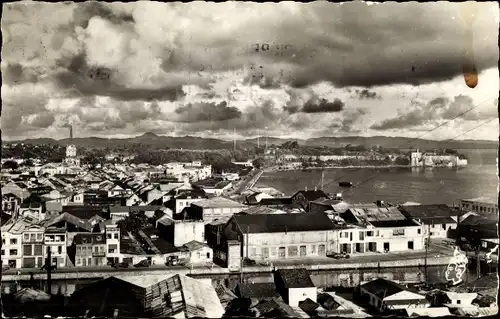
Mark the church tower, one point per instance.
(71, 159)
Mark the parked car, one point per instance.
(143, 263)
(175, 261)
(248, 261)
(120, 265)
(338, 255)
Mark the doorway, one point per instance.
(387, 247)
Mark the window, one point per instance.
(208, 255)
(313, 249)
(3, 252)
(341, 234)
(27, 250)
(419, 231)
(38, 250)
(26, 238)
(59, 249)
(282, 252)
(32, 237)
(302, 238)
(292, 251)
(39, 237)
(484, 244)
(443, 226)
(96, 249)
(410, 245)
(273, 251)
(13, 241)
(116, 235)
(302, 250)
(13, 252)
(321, 250)
(398, 232)
(378, 233)
(361, 235)
(459, 302)
(253, 252)
(369, 233)
(109, 236)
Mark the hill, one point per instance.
(191, 142)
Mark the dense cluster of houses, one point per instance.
(76, 217)
(192, 216)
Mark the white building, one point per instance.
(55, 240)
(419, 159)
(480, 205)
(11, 245)
(295, 286)
(216, 208)
(387, 295)
(112, 243)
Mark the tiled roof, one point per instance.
(383, 288)
(428, 211)
(278, 223)
(308, 305)
(295, 278)
(218, 202)
(257, 290)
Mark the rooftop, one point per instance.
(295, 278)
(280, 223)
(217, 202)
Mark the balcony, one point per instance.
(98, 254)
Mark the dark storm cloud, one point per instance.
(95, 80)
(316, 105)
(15, 74)
(207, 112)
(461, 107)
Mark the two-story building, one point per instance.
(90, 249)
(216, 208)
(181, 231)
(437, 220)
(11, 243)
(183, 199)
(112, 243)
(55, 241)
(33, 246)
(270, 237)
(10, 203)
(382, 229)
(481, 205)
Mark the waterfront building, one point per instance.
(112, 233)
(430, 159)
(279, 236)
(181, 231)
(55, 241)
(33, 246)
(381, 229)
(481, 205)
(199, 253)
(89, 250)
(438, 220)
(216, 208)
(295, 285)
(387, 295)
(11, 244)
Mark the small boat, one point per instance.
(345, 184)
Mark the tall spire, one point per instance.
(71, 132)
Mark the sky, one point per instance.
(291, 70)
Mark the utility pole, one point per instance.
(427, 242)
(258, 139)
(322, 178)
(478, 262)
(234, 140)
(48, 267)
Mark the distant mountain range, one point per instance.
(191, 142)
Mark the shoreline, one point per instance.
(292, 169)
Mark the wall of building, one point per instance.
(33, 256)
(180, 204)
(366, 238)
(211, 214)
(274, 246)
(57, 245)
(202, 256)
(478, 207)
(112, 242)
(11, 249)
(185, 232)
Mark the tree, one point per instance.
(136, 221)
(402, 160)
(12, 165)
(258, 162)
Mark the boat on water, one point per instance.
(345, 184)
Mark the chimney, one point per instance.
(71, 132)
(306, 189)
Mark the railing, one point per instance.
(98, 254)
